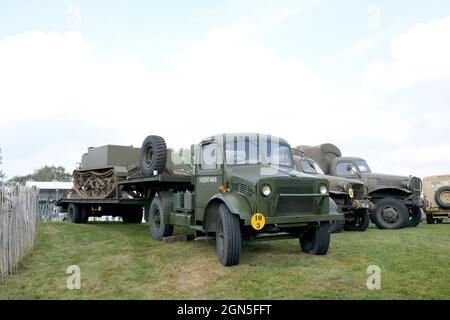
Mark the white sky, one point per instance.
(384, 97)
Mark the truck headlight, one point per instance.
(323, 189)
(266, 190)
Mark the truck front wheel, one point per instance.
(228, 237)
(430, 219)
(415, 217)
(390, 213)
(316, 240)
(157, 225)
(357, 222)
(337, 226)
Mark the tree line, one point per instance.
(46, 173)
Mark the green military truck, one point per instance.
(350, 196)
(398, 201)
(243, 186)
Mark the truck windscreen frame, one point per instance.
(265, 152)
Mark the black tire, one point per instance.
(430, 219)
(415, 217)
(228, 237)
(85, 214)
(439, 220)
(134, 215)
(74, 213)
(359, 222)
(157, 226)
(337, 226)
(437, 197)
(316, 240)
(153, 155)
(390, 213)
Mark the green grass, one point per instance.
(120, 261)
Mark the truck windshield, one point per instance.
(309, 166)
(362, 165)
(249, 152)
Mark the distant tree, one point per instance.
(47, 173)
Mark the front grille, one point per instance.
(243, 188)
(295, 205)
(416, 186)
(296, 189)
(358, 191)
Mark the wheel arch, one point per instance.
(398, 193)
(237, 205)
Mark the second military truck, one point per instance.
(398, 201)
(244, 186)
(349, 195)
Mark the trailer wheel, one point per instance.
(134, 215)
(415, 217)
(359, 222)
(85, 214)
(228, 236)
(74, 213)
(390, 213)
(157, 226)
(153, 155)
(316, 240)
(337, 226)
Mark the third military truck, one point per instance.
(242, 186)
(436, 192)
(350, 195)
(398, 200)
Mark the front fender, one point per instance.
(236, 203)
(390, 190)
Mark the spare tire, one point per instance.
(442, 197)
(153, 155)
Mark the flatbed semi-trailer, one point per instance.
(244, 186)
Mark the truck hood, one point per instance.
(253, 173)
(389, 180)
(338, 183)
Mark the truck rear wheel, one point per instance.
(228, 237)
(153, 155)
(430, 219)
(390, 213)
(316, 240)
(157, 226)
(337, 226)
(74, 213)
(415, 217)
(134, 215)
(359, 222)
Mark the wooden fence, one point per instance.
(18, 225)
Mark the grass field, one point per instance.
(120, 261)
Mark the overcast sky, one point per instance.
(373, 77)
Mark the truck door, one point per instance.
(209, 176)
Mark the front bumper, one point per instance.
(298, 220)
(362, 204)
